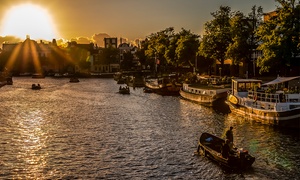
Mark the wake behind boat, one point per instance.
(278, 105)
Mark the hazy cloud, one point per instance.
(9, 39)
(96, 38)
(99, 39)
(82, 40)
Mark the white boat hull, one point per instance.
(206, 95)
(290, 119)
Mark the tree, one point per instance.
(187, 46)
(280, 37)
(127, 61)
(238, 50)
(109, 55)
(157, 45)
(217, 36)
(243, 38)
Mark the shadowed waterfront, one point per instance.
(88, 130)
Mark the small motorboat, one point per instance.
(74, 80)
(36, 87)
(211, 147)
(147, 90)
(9, 81)
(124, 90)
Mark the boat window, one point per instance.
(241, 87)
(248, 86)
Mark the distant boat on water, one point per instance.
(9, 81)
(74, 80)
(38, 75)
(36, 87)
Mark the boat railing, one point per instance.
(267, 97)
(273, 97)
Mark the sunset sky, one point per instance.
(130, 19)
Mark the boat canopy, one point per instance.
(279, 80)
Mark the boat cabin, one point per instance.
(241, 87)
(274, 91)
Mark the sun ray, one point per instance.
(12, 59)
(35, 58)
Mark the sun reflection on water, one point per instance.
(32, 141)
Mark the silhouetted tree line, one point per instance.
(232, 35)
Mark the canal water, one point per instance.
(87, 130)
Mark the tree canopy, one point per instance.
(217, 36)
(280, 37)
(172, 49)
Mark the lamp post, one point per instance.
(254, 67)
(195, 68)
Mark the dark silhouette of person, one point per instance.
(229, 134)
(226, 149)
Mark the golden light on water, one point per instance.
(28, 19)
(33, 138)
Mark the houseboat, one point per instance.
(274, 103)
(166, 86)
(203, 94)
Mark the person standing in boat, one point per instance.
(229, 136)
(226, 149)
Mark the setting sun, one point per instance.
(28, 19)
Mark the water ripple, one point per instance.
(89, 131)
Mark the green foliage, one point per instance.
(172, 49)
(127, 61)
(280, 37)
(187, 46)
(217, 35)
(239, 49)
(157, 44)
(109, 55)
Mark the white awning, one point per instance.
(280, 80)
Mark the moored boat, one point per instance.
(38, 75)
(147, 90)
(211, 147)
(135, 81)
(124, 90)
(277, 105)
(166, 86)
(58, 75)
(203, 94)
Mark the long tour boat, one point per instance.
(275, 103)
